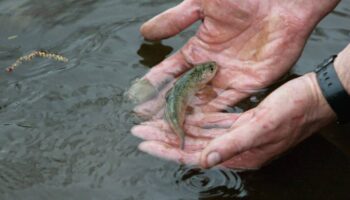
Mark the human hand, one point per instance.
(254, 43)
(248, 140)
(342, 67)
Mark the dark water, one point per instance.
(64, 128)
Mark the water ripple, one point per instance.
(18, 175)
(210, 184)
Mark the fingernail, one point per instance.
(213, 158)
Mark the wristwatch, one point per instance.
(333, 90)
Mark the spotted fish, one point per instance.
(182, 91)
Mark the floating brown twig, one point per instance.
(40, 53)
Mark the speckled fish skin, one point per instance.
(184, 89)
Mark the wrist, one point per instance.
(333, 80)
(342, 67)
(322, 112)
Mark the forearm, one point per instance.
(322, 110)
(342, 67)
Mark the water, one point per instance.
(64, 128)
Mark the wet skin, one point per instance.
(254, 44)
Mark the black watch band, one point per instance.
(333, 90)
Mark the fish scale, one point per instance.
(183, 90)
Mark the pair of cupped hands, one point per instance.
(254, 44)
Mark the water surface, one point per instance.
(65, 128)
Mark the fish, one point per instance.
(183, 90)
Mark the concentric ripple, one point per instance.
(210, 184)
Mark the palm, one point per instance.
(245, 140)
(254, 42)
(253, 46)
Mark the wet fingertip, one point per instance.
(137, 131)
(141, 90)
(142, 29)
(134, 129)
(147, 147)
(142, 146)
(142, 113)
(213, 158)
(147, 30)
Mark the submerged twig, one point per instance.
(40, 53)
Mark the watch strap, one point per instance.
(333, 90)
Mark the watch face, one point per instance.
(325, 63)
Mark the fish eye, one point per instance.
(211, 68)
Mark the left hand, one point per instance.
(286, 117)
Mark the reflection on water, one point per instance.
(153, 53)
(64, 128)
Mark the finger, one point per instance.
(257, 157)
(202, 133)
(212, 120)
(248, 160)
(161, 128)
(157, 78)
(168, 152)
(167, 136)
(154, 108)
(227, 98)
(172, 21)
(160, 113)
(231, 144)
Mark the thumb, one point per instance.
(172, 21)
(227, 146)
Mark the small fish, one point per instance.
(184, 89)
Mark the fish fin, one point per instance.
(206, 93)
(167, 94)
(189, 110)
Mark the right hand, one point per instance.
(254, 43)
